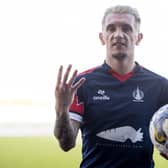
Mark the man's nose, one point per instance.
(118, 33)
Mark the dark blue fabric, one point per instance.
(110, 104)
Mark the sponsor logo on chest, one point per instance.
(121, 134)
(101, 95)
(137, 94)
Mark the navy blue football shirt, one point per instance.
(114, 112)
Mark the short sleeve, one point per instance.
(76, 110)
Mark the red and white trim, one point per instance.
(75, 117)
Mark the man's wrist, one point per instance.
(61, 109)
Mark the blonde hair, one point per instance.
(123, 9)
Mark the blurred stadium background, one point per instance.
(33, 35)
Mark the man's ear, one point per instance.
(101, 37)
(139, 38)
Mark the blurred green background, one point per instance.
(44, 152)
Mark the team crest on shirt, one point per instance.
(101, 95)
(138, 95)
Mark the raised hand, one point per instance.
(65, 89)
(66, 130)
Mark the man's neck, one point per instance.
(121, 68)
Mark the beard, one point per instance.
(119, 56)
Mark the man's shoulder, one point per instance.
(152, 74)
(90, 71)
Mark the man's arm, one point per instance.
(65, 129)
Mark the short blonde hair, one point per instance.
(123, 9)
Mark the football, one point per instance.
(158, 129)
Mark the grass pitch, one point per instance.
(43, 152)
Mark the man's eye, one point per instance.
(111, 28)
(126, 29)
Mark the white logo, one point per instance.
(121, 134)
(138, 95)
(101, 95)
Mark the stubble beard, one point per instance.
(119, 56)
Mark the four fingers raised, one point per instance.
(66, 76)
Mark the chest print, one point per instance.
(101, 95)
(138, 95)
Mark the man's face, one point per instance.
(120, 35)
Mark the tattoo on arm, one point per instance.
(65, 132)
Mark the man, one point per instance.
(113, 103)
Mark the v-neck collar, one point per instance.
(118, 76)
